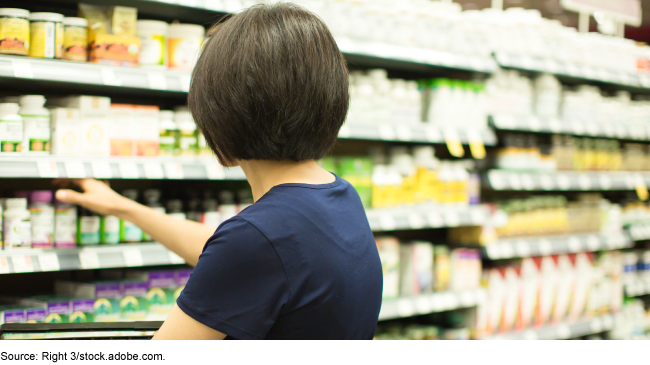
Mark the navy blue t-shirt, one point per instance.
(300, 263)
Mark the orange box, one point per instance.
(114, 50)
(121, 131)
(147, 131)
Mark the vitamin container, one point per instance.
(75, 39)
(168, 135)
(46, 34)
(17, 224)
(42, 215)
(88, 228)
(188, 138)
(14, 31)
(153, 43)
(11, 129)
(129, 232)
(184, 45)
(36, 120)
(65, 225)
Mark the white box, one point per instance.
(95, 120)
(66, 131)
(123, 130)
(146, 140)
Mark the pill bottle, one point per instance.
(152, 200)
(46, 34)
(65, 225)
(129, 232)
(109, 230)
(175, 209)
(184, 45)
(17, 226)
(187, 136)
(75, 39)
(36, 121)
(168, 136)
(14, 31)
(210, 216)
(87, 228)
(153, 43)
(11, 129)
(41, 212)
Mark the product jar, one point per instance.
(75, 39)
(11, 128)
(184, 45)
(42, 215)
(153, 43)
(17, 224)
(14, 31)
(46, 34)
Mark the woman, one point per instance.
(270, 93)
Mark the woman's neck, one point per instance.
(263, 175)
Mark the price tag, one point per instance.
(534, 124)
(574, 244)
(75, 169)
(153, 171)
(416, 221)
(132, 257)
(423, 304)
(47, 169)
(578, 128)
(387, 222)
(563, 182)
(507, 250)
(641, 187)
(4, 265)
(530, 335)
(344, 132)
(22, 263)
(435, 220)
(109, 77)
(605, 182)
(555, 125)
(453, 143)
(214, 171)
(584, 182)
(593, 243)
(49, 262)
(452, 219)
(175, 259)
(22, 69)
(476, 146)
(101, 170)
(386, 132)
(563, 331)
(522, 248)
(405, 308)
(514, 181)
(174, 170)
(129, 170)
(546, 182)
(185, 81)
(403, 133)
(89, 260)
(157, 80)
(545, 247)
(527, 182)
(596, 325)
(433, 134)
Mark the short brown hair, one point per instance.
(271, 84)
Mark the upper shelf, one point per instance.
(504, 180)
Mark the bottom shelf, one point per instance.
(562, 331)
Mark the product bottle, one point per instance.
(152, 200)
(88, 228)
(227, 208)
(210, 215)
(42, 215)
(168, 136)
(129, 232)
(193, 210)
(188, 139)
(36, 119)
(244, 198)
(17, 224)
(11, 128)
(65, 225)
(175, 209)
(109, 230)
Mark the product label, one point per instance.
(168, 143)
(110, 230)
(14, 36)
(88, 231)
(14, 316)
(11, 136)
(108, 290)
(152, 50)
(42, 226)
(75, 43)
(183, 52)
(17, 231)
(83, 311)
(129, 232)
(36, 315)
(188, 144)
(44, 39)
(37, 133)
(65, 227)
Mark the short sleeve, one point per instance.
(239, 285)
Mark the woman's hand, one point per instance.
(97, 196)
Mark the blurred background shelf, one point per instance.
(505, 180)
(637, 287)
(430, 303)
(563, 330)
(421, 216)
(420, 132)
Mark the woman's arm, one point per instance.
(180, 326)
(185, 238)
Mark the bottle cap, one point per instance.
(75, 22)
(16, 203)
(32, 101)
(47, 17)
(41, 196)
(13, 12)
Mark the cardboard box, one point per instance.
(66, 131)
(134, 305)
(94, 112)
(114, 50)
(82, 310)
(106, 297)
(162, 287)
(147, 130)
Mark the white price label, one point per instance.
(416, 221)
(436, 303)
(405, 308)
(522, 248)
(214, 171)
(175, 259)
(174, 170)
(527, 62)
(590, 73)
(4, 265)
(403, 133)
(563, 182)
(593, 243)
(101, 170)
(49, 262)
(574, 244)
(563, 331)
(132, 257)
(185, 81)
(584, 181)
(423, 304)
(47, 169)
(153, 171)
(514, 181)
(344, 132)
(546, 182)
(22, 263)
(157, 80)
(452, 219)
(109, 77)
(433, 134)
(89, 260)
(435, 219)
(534, 124)
(544, 247)
(387, 222)
(386, 132)
(22, 69)
(527, 182)
(129, 170)
(75, 169)
(507, 251)
(605, 182)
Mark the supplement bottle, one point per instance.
(46, 34)
(109, 230)
(65, 225)
(36, 120)
(75, 39)
(153, 43)
(87, 228)
(175, 209)
(227, 207)
(41, 211)
(184, 45)
(129, 232)
(14, 31)
(17, 227)
(152, 200)
(11, 128)
(188, 139)
(168, 136)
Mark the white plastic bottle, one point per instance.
(11, 129)
(17, 224)
(36, 120)
(153, 40)
(42, 216)
(65, 225)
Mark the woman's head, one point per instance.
(271, 84)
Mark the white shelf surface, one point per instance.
(426, 215)
(562, 330)
(552, 245)
(507, 180)
(430, 303)
(415, 132)
(637, 287)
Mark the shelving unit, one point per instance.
(562, 331)
(637, 287)
(420, 216)
(505, 180)
(640, 231)
(420, 132)
(430, 303)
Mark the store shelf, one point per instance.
(417, 132)
(90, 257)
(553, 245)
(637, 287)
(21, 68)
(562, 331)
(639, 231)
(426, 215)
(430, 303)
(638, 132)
(117, 168)
(506, 180)
(562, 68)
